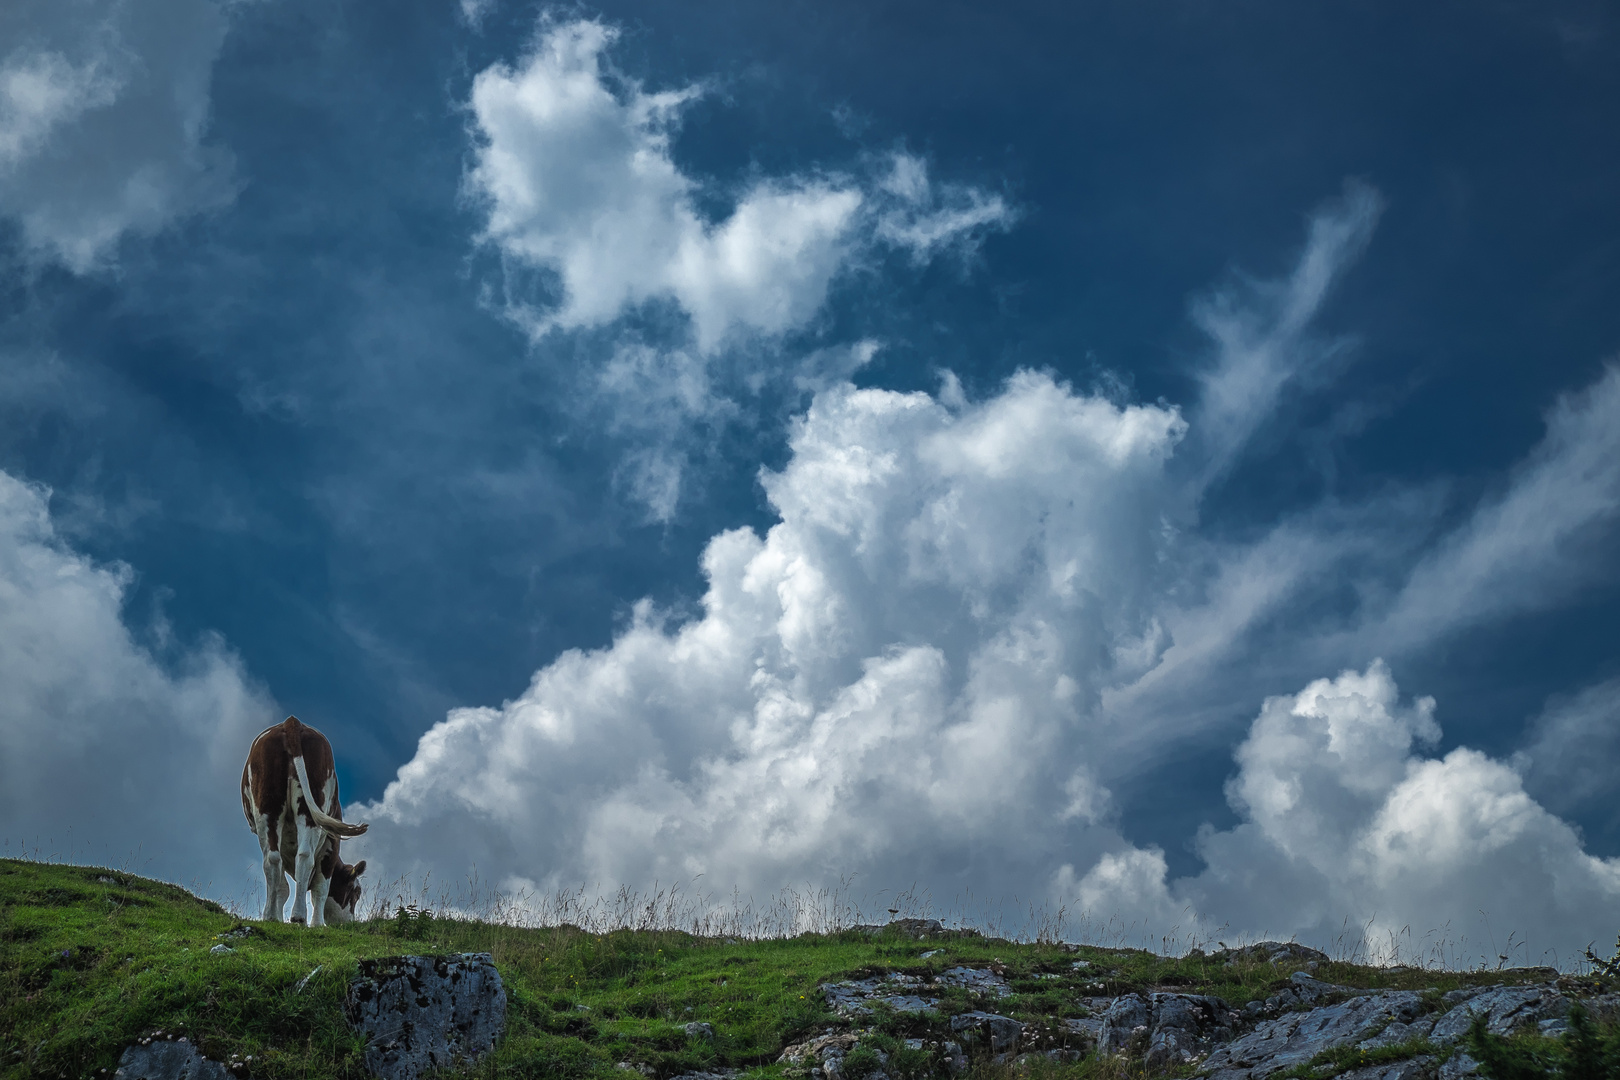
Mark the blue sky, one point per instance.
(938, 443)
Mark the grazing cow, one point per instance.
(290, 797)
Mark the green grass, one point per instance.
(93, 959)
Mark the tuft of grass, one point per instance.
(1584, 1051)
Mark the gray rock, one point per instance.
(1127, 1017)
(1312, 990)
(1452, 998)
(1087, 1027)
(917, 929)
(420, 1013)
(1283, 1000)
(1553, 1027)
(164, 1060)
(221, 950)
(1398, 1033)
(1604, 1007)
(1174, 1029)
(1186, 1027)
(977, 980)
(699, 1030)
(1418, 1068)
(817, 1049)
(1297, 1037)
(1457, 1066)
(955, 1060)
(1506, 1008)
(1001, 1031)
(855, 998)
(1276, 952)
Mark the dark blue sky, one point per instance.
(300, 402)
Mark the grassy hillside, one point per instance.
(92, 959)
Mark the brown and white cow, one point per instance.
(290, 797)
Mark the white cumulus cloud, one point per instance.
(106, 753)
(1346, 820)
(573, 165)
(103, 111)
(893, 678)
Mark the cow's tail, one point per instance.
(342, 829)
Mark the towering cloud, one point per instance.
(898, 670)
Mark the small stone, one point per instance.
(699, 1030)
(220, 950)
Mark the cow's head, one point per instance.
(344, 894)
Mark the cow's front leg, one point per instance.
(320, 884)
(309, 837)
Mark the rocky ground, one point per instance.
(1307, 1028)
(103, 972)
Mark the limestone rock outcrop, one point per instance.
(420, 1013)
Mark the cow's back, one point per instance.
(269, 774)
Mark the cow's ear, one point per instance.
(359, 868)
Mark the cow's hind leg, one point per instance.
(309, 838)
(275, 877)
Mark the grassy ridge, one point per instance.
(92, 959)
